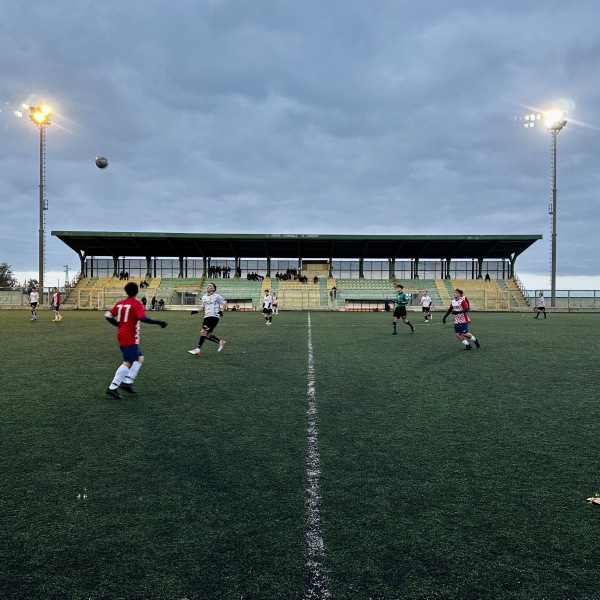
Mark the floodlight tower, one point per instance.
(554, 120)
(41, 117)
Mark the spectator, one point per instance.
(161, 304)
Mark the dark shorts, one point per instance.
(33, 304)
(56, 307)
(426, 308)
(131, 353)
(541, 308)
(267, 311)
(209, 324)
(461, 328)
(400, 312)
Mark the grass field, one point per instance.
(444, 473)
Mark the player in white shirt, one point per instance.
(541, 307)
(275, 302)
(426, 304)
(34, 298)
(213, 306)
(267, 311)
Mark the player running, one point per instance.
(126, 316)
(213, 306)
(400, 311)
(56, 305)
(426, 304)
(459, 307)
(34, 299)
(267, 310)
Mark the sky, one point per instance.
(276, 116)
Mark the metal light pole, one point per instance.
(555, 121)
(41, 117)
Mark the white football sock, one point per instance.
(132, 373)
(119, 376)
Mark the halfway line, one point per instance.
(315, 561)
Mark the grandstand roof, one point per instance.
(291, 245)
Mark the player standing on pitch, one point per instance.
(400, 310)
(541, 307)
(459, 307)
(267, 310)
(126, 315)
(56, 305)
(34, 298)
(213, 306)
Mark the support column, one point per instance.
(480, 268)
(115, 265)
(513, 259)
(180, 267)
(204, 261)
(237, 273)
(82, 268)
(447, 276)
(148, 259)
(416, 269)
(331, 267)
(361, 274)
(268, 266)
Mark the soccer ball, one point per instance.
(101, 162)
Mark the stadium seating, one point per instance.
(248, 294)
(352, 294)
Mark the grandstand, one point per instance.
(363, 269)
(352, 294)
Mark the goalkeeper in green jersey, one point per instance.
(400, 312)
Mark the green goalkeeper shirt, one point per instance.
(401, 299)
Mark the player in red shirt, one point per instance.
(459, 306)
(56, 305)
(126, 315)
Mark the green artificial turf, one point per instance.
(444, 474)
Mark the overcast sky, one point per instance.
(312, 116)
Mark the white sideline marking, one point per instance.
(315, 551)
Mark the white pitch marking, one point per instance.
(315, 560)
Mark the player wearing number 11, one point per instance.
(126, 316)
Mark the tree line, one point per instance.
(8, 279)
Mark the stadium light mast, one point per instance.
(554, 120)
(41, 117)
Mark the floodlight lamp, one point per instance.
(40, 115)
(555, 119)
